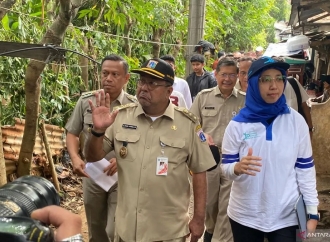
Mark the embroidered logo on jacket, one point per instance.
(250, 135)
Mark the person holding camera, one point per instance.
(68, 224)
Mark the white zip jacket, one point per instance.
(266, 201)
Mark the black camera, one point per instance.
(18, 199)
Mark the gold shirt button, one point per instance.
(151, 127)
(148, 147)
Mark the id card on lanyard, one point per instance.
(162, 162)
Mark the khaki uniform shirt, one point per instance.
(214, 112)
(291, 97)
(153, 207)
(81, 117)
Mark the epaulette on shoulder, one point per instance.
(187, 113)
(131, 98)
(128, 105)
(207, 90)
(88, 94)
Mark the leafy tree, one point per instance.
(135, 29)
(281, 10)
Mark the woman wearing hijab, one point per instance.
(266, 150)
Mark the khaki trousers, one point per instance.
(216, 219)
(182, 239)
(100, 208)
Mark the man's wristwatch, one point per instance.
(312, 129)
(96, 134)
(313, 216)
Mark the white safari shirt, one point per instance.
(266, 201)
(182, 86)
(178, 100)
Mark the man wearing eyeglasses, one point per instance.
(156, 144)
(244, 64)
(214, 108)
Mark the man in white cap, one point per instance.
(259, 51)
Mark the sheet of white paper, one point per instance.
(95, 171)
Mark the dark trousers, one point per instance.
(242, 233)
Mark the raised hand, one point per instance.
(248, 165)
(102, 117)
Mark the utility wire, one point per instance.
(96, 31)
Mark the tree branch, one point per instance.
(4, 6)
(54, 35)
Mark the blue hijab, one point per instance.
(256, 109)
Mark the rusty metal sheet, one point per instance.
(12, 140)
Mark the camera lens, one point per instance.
(26, 194)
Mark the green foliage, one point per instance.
(231, 25)
(241, 25)
(281, 10)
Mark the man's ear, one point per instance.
(127, 76)
(170, 90)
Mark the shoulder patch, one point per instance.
(131, 98)
(128, 105)
(187, 113)
(88, 94)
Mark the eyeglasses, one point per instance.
(230, 76)
(243, 73)
(151, 84)
(269, 79)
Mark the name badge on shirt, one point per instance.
(162, 166)
(209, 108)
(129, 126)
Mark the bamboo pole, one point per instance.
(49, 156)
(3, 174)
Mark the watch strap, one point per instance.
(313, 216)
(96, 134)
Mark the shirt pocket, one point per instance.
(208, 117)
(88, 121)
(126, 144)
(174, 149)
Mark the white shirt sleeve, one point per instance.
(177, 99)
(183, 87)
(305, 168)
(230, 151)
(304, 95)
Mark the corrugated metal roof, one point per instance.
(12, 140)
(306, 14)
(311, 17)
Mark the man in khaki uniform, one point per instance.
(156, 143)
(244, 64)
(100, 205)
(214, 108)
